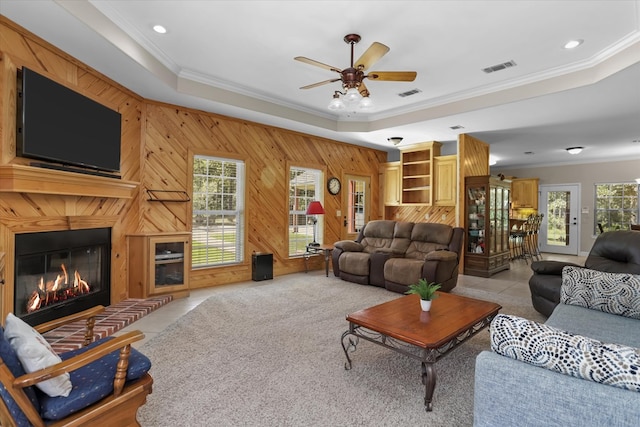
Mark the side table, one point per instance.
(319, 249)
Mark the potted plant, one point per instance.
(426, 291)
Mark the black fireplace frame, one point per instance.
(73, 239)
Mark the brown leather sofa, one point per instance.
(395, 254)
(612, 252)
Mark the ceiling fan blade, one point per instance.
(371, 56)
(397, 76)
(317, 64)
(320, 83)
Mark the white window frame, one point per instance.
(220, 228)
(629, 208)
(300, 233)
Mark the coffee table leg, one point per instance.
(352, 343)
(429, 381)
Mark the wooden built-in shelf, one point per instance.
(29, 179)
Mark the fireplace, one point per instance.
(58, 273)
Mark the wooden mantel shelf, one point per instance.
(29, 179)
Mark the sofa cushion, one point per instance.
(595, 324)
(616, 293)
(35, 353)
(10, 359)
(574, 355)
(432, 232)
(405, 271)
(92, 382)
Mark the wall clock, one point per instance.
(333, 185)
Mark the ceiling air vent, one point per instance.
(499, 67)
(456, 127)
(409, 93)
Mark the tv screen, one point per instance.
(59, 125)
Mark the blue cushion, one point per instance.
(10, 358)
(91, 383)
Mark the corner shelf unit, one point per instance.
(417, 173)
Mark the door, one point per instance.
(560, 226)
(356, 201)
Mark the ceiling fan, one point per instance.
(353, 76)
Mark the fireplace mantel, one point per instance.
(29, 179)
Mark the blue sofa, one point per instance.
(563, 372)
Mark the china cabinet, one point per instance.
(486, 225)
(159, 263)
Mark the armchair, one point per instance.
(108, 386)
(612, 252)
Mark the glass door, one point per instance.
(356, 199)
(560, 224)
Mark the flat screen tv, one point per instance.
(61, 126)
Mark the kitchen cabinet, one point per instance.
(524, 193)
(391, 183)
(445, 171)
(417, 173)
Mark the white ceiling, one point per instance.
(236, 58)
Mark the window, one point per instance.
(304, 187)
(616, 206)
(218, 211)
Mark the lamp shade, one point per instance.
(315, 208)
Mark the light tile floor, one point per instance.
(513, 282)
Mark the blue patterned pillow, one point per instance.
(551, 348)
(615, 293)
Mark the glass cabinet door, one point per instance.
(169, 263)
(476, 219)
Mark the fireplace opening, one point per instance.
(58, 273)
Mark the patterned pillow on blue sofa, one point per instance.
(575, 355)
(615, 293)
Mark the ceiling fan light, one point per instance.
(574, 150)
(352, 95)
(365, 103)
(336, 104)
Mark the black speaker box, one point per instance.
(262, 266)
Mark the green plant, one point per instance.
(426, 290)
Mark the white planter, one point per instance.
(426, 305)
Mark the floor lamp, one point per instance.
(315, 208)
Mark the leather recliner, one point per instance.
(612, 252)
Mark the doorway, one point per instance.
(559, 231)
(356, 201)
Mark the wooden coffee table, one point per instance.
(401, 325)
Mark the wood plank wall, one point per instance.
(157, 142)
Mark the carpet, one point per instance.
(271, 356)
(115, 317)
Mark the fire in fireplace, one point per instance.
(61, 272)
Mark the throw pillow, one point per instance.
(35, 353)
(566, 353)
(615, 293)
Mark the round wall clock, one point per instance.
(333, 185)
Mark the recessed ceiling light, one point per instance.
(159, 29)
(572, 44)
(574, 150)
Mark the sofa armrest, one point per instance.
(551, 348)
(509, 392)
(550, 267)
(349, 246)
